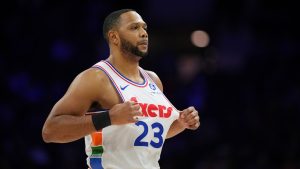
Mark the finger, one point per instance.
(186, 111)
(131, 102)
(136, 107)
(183, 113)
(138, 113)
(132, 120)
(195, 126)
(190, 117)
(192, 114)
(135, 115)
(193, 121)
(135, 118)
(128, 103)
(189, 109)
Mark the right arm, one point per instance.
(67, 120)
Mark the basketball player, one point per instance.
(136, 117)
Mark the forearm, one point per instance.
(67, 128)
(175, 129)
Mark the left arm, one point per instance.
(188, 119)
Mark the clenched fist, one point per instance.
(124, 113)
(189, 118)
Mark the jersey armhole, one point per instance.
(148, 76)
(113, 83)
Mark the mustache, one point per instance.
(142, 42)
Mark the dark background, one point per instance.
(245, 83)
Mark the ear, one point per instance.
(113, 37)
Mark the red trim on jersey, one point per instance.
(126, 79)
(146, 74)
(111, 79)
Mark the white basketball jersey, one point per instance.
(135, 145)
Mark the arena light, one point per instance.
(200, 38)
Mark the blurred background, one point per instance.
(235, 61)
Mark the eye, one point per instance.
(134, 27)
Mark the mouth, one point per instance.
(144, 42)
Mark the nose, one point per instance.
(143, 33)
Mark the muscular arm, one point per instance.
(66, 121)
(176, 126)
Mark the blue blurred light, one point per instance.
(61, 50)
(19, 82)
(39, 156)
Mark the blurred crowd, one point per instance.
(245, 83)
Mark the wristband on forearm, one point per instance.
(101, 119)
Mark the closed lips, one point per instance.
(143, 43)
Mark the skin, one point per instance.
(67, 121)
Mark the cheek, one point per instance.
(130, 36)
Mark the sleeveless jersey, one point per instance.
(135, 145)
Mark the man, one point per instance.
(136, 117)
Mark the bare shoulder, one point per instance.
(155, 78)
(88, 82)
(94, 75)
(100, 87)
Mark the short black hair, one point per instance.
(112, 20)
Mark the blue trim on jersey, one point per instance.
(146, 74)
(112, 81)
(139, 84)
(96, 163)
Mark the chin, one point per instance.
(139, 53)
(142, 54)
(138, 58)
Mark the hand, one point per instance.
(124, 113)
(189, 118)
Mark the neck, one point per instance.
(126, 65)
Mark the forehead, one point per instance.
(130, 18)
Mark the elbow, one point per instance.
(51, 134)
(47, 135)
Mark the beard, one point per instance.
(128, 47)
